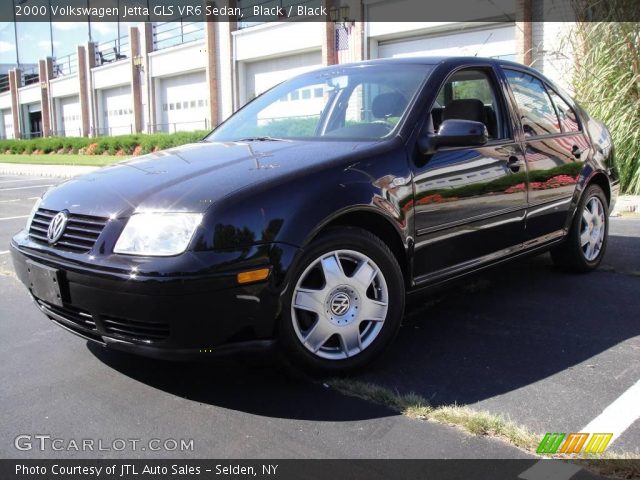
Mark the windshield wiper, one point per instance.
(261, 139)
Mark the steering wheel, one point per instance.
(388, 126)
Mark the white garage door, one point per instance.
(185, 103)
(496, 42)
(7, 123)
(70, 121)
(261, 76)
(117, 111)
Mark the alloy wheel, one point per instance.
(592, 228)
(339, 304)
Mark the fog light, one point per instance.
(253, 275)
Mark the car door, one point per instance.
(555, 147)
(469, 202)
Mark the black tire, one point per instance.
(369, 245)
(571, 253)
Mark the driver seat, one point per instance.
(465, 109)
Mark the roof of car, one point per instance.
(433, 61)
(451, 61)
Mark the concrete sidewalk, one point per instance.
(60, 171)
(627, 204)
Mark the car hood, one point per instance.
(191, 177)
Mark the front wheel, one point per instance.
(345, 304)
(586, 242)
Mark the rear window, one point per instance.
(568, 117)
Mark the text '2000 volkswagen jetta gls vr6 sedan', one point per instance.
(309, 215)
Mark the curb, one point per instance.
(627, 204)
(60, 171)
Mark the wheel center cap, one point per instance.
(340, 304)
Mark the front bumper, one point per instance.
(164, 314)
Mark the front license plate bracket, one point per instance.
(45, 283)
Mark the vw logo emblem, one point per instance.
(340, 304)
(57, 226)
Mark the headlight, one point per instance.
(157, 234)
(32, 214)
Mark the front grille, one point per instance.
(70, 314)
(79, 235)
(136, 330)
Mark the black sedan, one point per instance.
(309, 215)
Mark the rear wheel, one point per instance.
(345, 304)
(584, 247)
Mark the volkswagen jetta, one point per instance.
(309, 215)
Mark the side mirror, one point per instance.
(455, 133)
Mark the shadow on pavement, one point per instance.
(501, 330)
(513, 326)
(257, 384)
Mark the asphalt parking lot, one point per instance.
(547, 349)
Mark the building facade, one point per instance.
(191, 75)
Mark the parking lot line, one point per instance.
(14, 218)
(24, 188)
(619, 415)
(4, 251)
(18, 199)
(26, 180)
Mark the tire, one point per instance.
(344, 304)
(586, 242)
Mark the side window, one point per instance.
(537, 114)
(469, 95)
(568, 117)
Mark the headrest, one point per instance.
(388, 105)
(467, 109)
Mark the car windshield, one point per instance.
(364, 103)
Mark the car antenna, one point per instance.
(483, 44)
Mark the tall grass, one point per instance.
(607, 83)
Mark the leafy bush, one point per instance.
(120, 145)
(607, 82)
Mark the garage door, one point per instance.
(261, 76)
(7, 123)
(70, 122)
(496, 42)
(117, 111)
(184, 103)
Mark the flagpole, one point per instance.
(15, 33)
(89, 22)
(51, 29)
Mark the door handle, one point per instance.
(513, 163)
(576, 151)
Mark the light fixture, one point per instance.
(340, 16)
